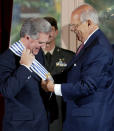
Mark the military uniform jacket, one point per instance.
(59, 61)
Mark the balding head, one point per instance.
(84, 21)
(86, 12)
(82, 9)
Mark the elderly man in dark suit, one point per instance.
(88, 90)
(56, 59)
(20, 86)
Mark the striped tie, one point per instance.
(17, 49)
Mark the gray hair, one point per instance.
(90, 14)
(33, 26)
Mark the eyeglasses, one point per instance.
(73, 27)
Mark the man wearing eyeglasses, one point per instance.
(88, 91)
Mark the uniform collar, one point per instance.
(51, 51)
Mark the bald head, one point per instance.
(82, 9)
(86, 12)
(84, 21)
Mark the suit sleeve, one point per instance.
(11, 81)
(94, 75)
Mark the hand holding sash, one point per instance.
(27, 58)
(17, 48)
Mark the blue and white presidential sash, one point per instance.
(17, 48)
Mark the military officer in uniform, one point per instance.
(56, 60)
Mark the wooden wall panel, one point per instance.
(68, 38)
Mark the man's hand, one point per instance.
(44, 85)
(50, 85)
(47, 85)
(27, 58)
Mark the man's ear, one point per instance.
(89, 22)
(27, 37)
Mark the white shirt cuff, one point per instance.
(57, 89)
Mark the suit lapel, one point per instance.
(36, 77)
(87, 45)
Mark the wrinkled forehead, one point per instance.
(75, 16)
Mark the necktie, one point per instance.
(17, 49)
(79, 49)
(48, 57)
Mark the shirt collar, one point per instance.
(51, 51)
(90, 35)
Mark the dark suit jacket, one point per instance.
(113, 46)
(89, 89)
(24, 109)
(59, 61)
